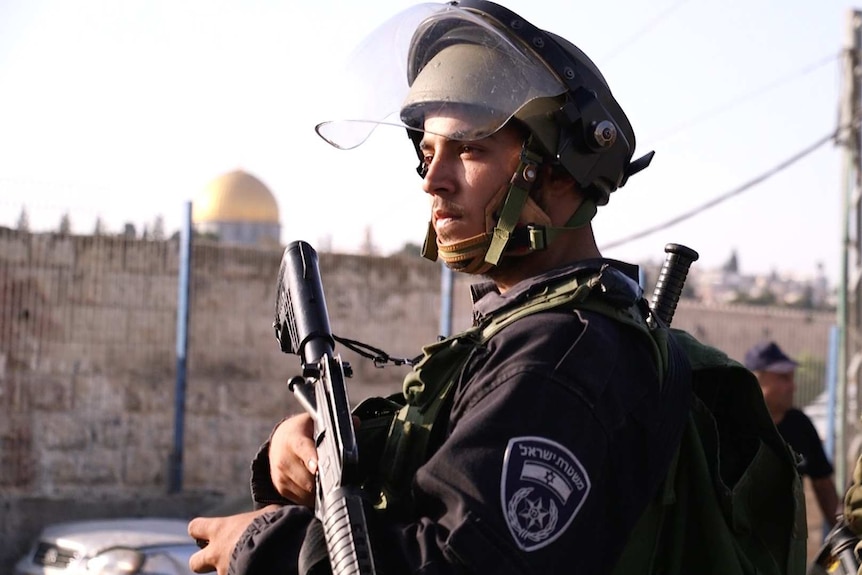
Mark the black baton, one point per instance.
(671, 280)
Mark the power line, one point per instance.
(643, 30)
(727, 195)
(742, 98)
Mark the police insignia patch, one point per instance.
(543, 486)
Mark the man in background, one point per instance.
(775, 371)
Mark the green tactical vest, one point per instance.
(737, 510)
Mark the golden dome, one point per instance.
(235, 197)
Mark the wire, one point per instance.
(643, 31)
(742, 98)
(727, 195)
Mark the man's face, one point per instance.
(463, 177)
(777, 389)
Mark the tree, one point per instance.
(368, 248)
(764, 298)
(810, 377)
(411, 249)
(804, 299)
(731, 266)
(158, 231)
(65, 224)
(23, 220)
(207, 236)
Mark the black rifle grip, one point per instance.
(671, 280)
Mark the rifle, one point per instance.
(302, 328)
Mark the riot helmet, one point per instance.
(496, 68)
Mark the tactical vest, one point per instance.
(417, 428)
(746, 498)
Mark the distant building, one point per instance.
(726, 285)
(237, 208)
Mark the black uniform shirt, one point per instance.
(553, 449)
(798, 430)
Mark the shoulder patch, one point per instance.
(542, 488)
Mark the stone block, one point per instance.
(65, 432)
(49, 393)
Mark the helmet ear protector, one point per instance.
(584, 129)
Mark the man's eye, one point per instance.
(422, 169)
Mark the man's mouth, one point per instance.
(442, 218)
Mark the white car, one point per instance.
(128, 546)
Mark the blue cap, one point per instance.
(767, 356)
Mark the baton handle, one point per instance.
(671, 280)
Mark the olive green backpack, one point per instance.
(732, 501)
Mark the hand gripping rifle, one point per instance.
(302, 328)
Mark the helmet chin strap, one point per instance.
(480, 253)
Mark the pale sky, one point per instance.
(126, 109)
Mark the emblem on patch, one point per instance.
(542, 488)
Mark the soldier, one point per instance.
(534, 442)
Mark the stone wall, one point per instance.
(88, 372)
(88, 364)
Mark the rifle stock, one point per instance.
(302, 328)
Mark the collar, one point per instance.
(487, 299)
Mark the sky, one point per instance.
(124, 110)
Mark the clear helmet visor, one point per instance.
(436, 59)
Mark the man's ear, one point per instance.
(558, 194)
(557, 182)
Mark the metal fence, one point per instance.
(91, 329)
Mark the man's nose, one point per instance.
(438, 176)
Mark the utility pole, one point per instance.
(850, 291)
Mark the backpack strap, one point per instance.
(427, 390)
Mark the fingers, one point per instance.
(293, 459)
(203, 561)
(221, 535)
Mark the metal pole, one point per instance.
(832, 391)
(446, 280)
(848, 303)
(176, 462)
